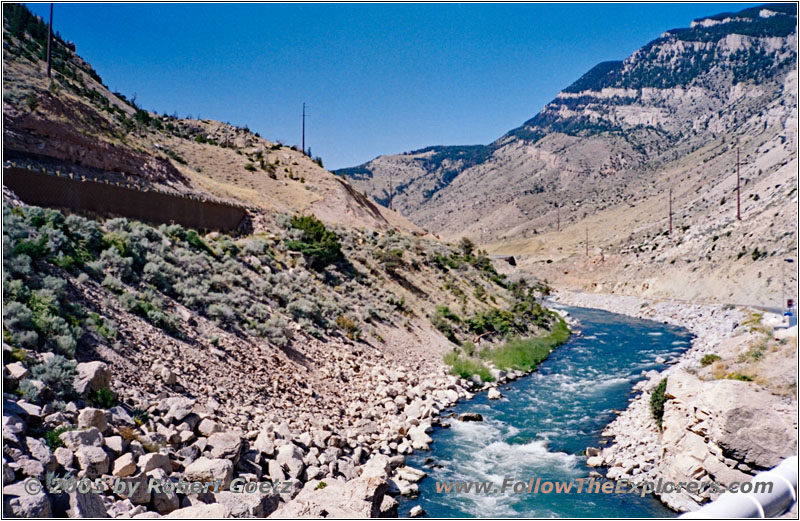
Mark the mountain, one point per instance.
(606, 151)
(669, 98)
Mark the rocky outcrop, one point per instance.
(717, 430)
(33, 134)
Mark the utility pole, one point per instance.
(49, 39)
(738, 188)
(304, 127)
(558, 217)
(784, 302)
(670, 211)
(391, 192)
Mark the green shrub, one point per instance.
(102, 399)
(445, 312)
(349, 326)
(466, 246)
(709, 359)
(319, 245)
(392, 260)
(104, 328)
(468, 348)
(657, 400)
(52, 437)
(444, 327)
(57, 374)
(525, 354)
(28, 391)
(466, 367)
(35, 249)
(193, 238)
(739, 376)
(140, 416)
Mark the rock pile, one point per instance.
(349, 472)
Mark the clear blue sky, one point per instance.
(378, 78)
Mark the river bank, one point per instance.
(730, 401)
(543, 423)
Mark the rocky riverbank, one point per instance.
(730, 405)
(175, 438)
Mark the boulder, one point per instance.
(41, 452)
(411, 474)
(419, 439)
(137, 484)
(91, 376)
(76, 439)
(290, 458)
(86, 504)
(154, 460)
(389, 507)
(17, 371)
(264, 444)
(124, 466)
(379, 466)
(206, 470)
(163, 501)
(93, 460)
(249, 505)
(31, 467)
(64, 457)
(494, 394)
(470, 417)
(17, 502)
(207, 427)
(116, 444)
(8, 473)
(226, 445)
(90, 417)
(275, 472)
(594, 461)
(178, 409)
(416, 511)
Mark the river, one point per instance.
(543, 423)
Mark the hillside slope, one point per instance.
(606, 152)
(75, 123)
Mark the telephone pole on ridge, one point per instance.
(304, 128)
(49, 39)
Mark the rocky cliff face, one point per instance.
(600, 141)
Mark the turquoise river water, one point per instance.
(543, 423)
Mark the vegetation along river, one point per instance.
(544, 422)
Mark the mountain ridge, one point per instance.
(642, 128)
